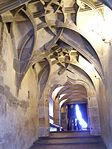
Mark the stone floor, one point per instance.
(70, 141)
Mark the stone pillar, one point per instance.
(94, 120)
(64, 119)
(56, 111)
(43, 118)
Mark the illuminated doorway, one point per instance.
(77, 117)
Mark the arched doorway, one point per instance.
(74, 116)
(74, 109)
(69, 97)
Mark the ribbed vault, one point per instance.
(63, 36)
(70, 92)
(55, 51)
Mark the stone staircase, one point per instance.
(69, 140)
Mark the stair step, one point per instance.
(76, 140)
(69, 134)
(70, 146)
(69, 140)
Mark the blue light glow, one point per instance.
(51, 107)
(80, 118)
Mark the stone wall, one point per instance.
(18, 113)
(98, 28)
(107, 101)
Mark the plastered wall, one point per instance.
(18, 114)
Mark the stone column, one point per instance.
(43, 117)
(56, 111)
(64, 119)
(94, 120)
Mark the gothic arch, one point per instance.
(23, 47)
(61, 31)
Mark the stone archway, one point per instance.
(93, 111)
(64, 37)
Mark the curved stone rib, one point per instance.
(74, 91)
(78, 69)
(6, 5)
(26, 54)
(41, 25)
(31, 19)
(43, 77)
(71, 92)
(80, 99)
(23, 42)
(70, 96)
(24, 50)
(68, 87)
(89, 3)
(86, 52)
(54, 11)
(28, 35)
(72, 88)
(108, 3)
(59, 24)
(79, 43)
(53, 41)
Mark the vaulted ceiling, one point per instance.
(63, 43)
(6, 5)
